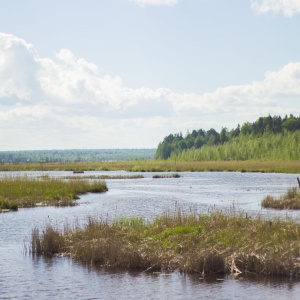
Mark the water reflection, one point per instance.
(23, 276)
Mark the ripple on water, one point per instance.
(25, 277)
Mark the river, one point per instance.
(23, 276)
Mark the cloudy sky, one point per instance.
(126, 73)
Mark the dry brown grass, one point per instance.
(204, 244)
(291, 200)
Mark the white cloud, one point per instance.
(287, 7)
(155, 2)
(65, 102)
(18, 68)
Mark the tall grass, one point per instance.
(6, 205)
(162, 166)
(28, 192)
(290, 200)
(191, 243)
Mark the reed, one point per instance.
(189, 243)
(162, 166)
(29, 192)
(290, 200)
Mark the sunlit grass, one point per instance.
(161, 166)
(105, 177)
(29, 192)
(192, 243)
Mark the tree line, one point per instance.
(267, 138)
(75, 155)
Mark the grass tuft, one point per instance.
(291, 200)
(174, 175)
(6, 205)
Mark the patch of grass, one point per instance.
(6, 205)
(105, 177)
(174, 175)
(191, 243)
(28, 192)
(291, 200)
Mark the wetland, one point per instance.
(25, 275)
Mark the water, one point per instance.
(25, 277)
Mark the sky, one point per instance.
(99, 74)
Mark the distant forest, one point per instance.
(75, 155)
(268, 138)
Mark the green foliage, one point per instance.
(267, 147)
(268, 138)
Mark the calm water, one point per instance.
(25, 277)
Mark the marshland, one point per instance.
(168, 165)
(175, 216)
(23, 191)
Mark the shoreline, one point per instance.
(292, 167)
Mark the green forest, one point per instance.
(268, 139)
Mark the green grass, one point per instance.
(105, 177)
(290, 200)
(6, 205)
(193, 243)
(30, 192)
(161, 166)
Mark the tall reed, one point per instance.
(191, 243)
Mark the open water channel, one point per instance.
(23, 276)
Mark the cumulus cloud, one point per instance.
(64, 102)
(18, 68)
(155, 2)
(287, 7)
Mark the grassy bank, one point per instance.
(29, 192)
(161, 166)
(290, 200)
(204, 244)
(102, 177)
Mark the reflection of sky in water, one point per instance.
(24, 277)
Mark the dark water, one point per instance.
(25, 277)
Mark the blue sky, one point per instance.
(126, 73)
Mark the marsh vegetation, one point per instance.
(190, 243)
(23, 191)
(138, 176)
(290, 200)
(174, 175)
(170, 165)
